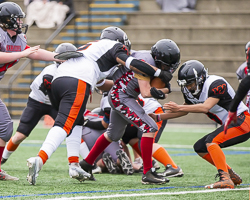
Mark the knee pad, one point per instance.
(6, 132)
(200, 147)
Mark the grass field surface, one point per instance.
(54, 182)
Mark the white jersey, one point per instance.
(98, 60)
(36, 93)
(216, 87)
(7, 45)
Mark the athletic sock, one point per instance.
(163, 157)
(208, 158)
(136, 148)
(9, 149)
(43, 155)
(73, 159)
(218, 157)
(99, 146)
(1, 153)
(146, 153)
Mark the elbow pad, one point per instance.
(143, 67)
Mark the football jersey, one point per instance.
(36, 93)
(7, 45)
(242, 71)
(131, 85)
(216, 87)
(98, 60)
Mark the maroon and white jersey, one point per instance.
(38, 94)
(98, 60)
(7, 45)
(216, 87)
(127, 79)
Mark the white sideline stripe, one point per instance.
(164, 145)
(149, 194)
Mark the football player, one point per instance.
(75, 79)
(125, 109)
(13, 46)
(211, 95)
(39, 105)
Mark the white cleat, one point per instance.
(35, 165)
(6, 177)
(76, 172)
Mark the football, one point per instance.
(157, 83)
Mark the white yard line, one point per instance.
(177, 146)
(148, 194)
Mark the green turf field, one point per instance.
(54, 181)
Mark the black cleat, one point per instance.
(109, 163)
(172, 172)
(3, 161)
(151, 177)
(88, 168)
(125, 162)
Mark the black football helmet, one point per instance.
(64, 47)
(117, 34)
(166, 52)
(192, 71)
(10, 17)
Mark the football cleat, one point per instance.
(88, 168)
(3, 161)
(76, 172)
(151, 177)
(35, 165)
(6, 177)
(235, 177)
(125, 163)
(109, 163)
(224, 182)
(172, 172)
(97, 170)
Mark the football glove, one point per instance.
(157, 94)
(232, 116)
(165, 76)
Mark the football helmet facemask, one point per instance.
(116, 34)
(11, 16)
(190, 72)
(166, 54)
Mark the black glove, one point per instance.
(157, 94)
(169, 87)
(165, 76)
